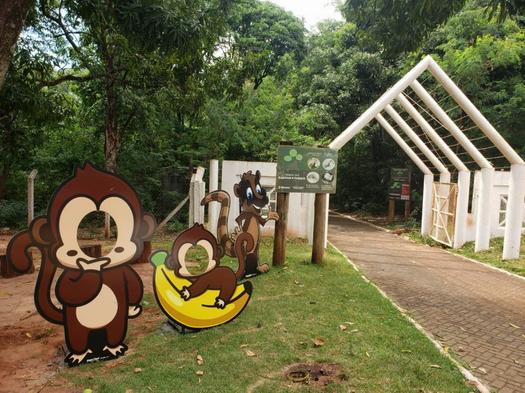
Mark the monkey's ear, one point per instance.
(237, 190)
(258, 175)
(41, 231)
(148, 226)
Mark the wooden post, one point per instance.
(407, 210)
(319, 228)
(31, 196)
(279, 241)
(391, 210)
(107, 226)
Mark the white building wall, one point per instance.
(500, 191)
(301, 206)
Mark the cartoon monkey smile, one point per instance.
(96, 295)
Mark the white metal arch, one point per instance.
(516, 196)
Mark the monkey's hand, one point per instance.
(185, 294)
(235, 234)
(273, 216)
(96, 264)
(219, 303)
(134, 311)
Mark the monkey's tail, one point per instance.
(223, 236)
(18, 257)
(243, 243)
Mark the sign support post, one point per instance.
(279, 242)
(319, 228)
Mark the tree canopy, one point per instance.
(152, 88)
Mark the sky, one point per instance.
(312, 11)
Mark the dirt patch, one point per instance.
(317, 375)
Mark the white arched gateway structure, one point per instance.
(446, 136)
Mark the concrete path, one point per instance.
(478, 312)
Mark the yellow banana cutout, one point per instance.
(214, 300)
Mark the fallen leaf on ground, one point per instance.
(249, 353)
(445, 349)
(343, 327)
(29, 335)
(243, 345)
(200, 373)
(367, 354)
(406, 351)
(319, 341)
(514, 326)
(482, 370)
(200, 360)
(137, 370)
(354, 330)
(435, 366)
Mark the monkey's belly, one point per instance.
(100, 311)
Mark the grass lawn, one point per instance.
(378, 350)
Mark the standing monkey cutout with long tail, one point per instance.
(96, 295)
(252, 198)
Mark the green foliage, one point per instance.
(262, 34)
(399, 26)
(12, 214)
(177, 83)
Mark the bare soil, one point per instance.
(31, 349)
(318, 375)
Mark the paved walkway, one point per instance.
(478, 312)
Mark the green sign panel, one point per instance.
(306, 169)
(399, 184)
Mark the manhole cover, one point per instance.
(316, 374)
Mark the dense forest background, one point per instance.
(152, 88)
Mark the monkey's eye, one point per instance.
(71, 253)
(249, 193)
(258, 189)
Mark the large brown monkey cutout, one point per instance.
(252, 198)
(215, 277)
(97, 295)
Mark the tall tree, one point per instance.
(13, 14)
(262, 34)
(109, 44)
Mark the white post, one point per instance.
(403, 145)
(378, 106)
(197, 192)
(416, 139)
(450, 125)
(483, 213)
(473, 112)
(444, 177)
(514, 216)
(426, 210)
(460, 226)
(213, 208)
(31, 196)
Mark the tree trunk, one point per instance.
(2, 186)
(13, 14)
(112, 141)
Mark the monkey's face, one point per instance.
(252, 195)
(69, 254)
(183, 270)
(198, 236)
